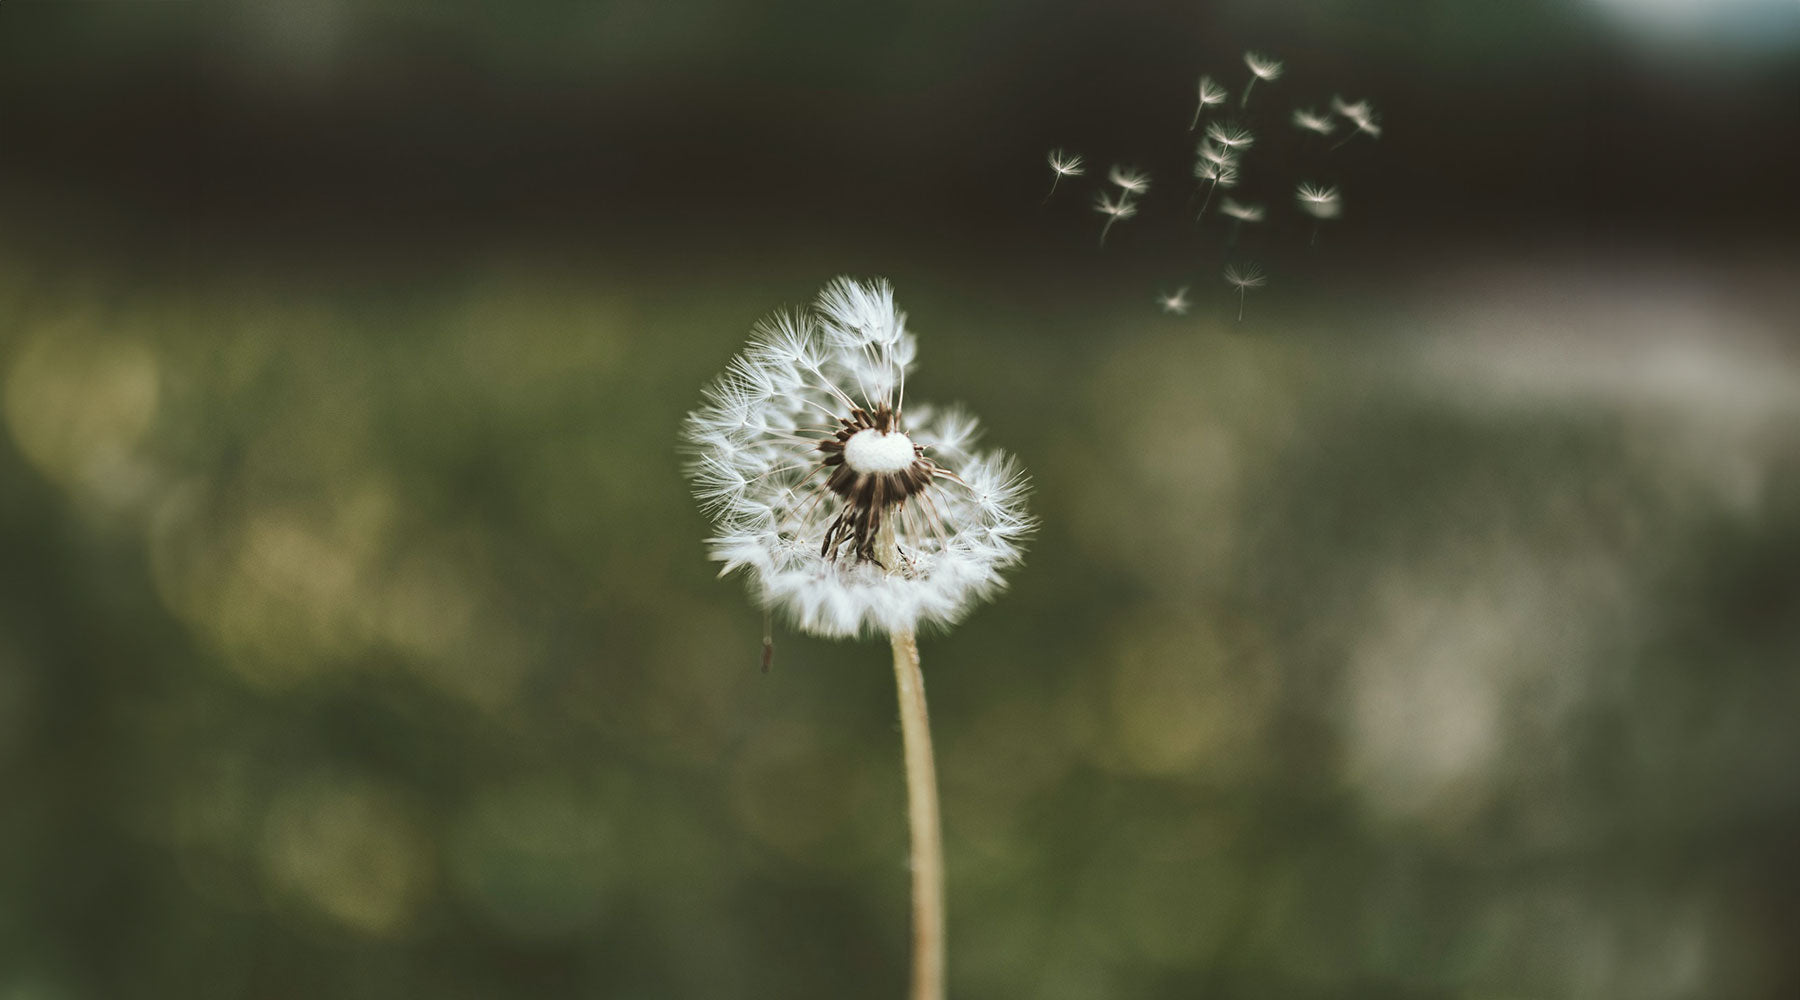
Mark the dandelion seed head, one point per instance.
(1176, 304)
(1319, 201)
(1240, 211)
(1215, 154)
(1223, 174)
(1121, 207)
(1130, 179)
(1360, 113)
(1066, 164)
(1313, 121)
(1262, 66)
(1211, 92)
(1230, 136)
(849, 508)
(1246, 276)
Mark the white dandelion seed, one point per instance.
(1261, 68)
(1210, 92)
(1313, 121)
(1319, 202)
(850, 510)
(1240, 211)
(1062, 165)
(1114, 210)
(1243, 279)
(1176, 304)
(1352, 110)
(1224, 175)
(1131, 180)
(1215, 154)
(1361, 115)
(1214, 171)
(1231, 136)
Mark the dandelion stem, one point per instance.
(1241, 292)
(1056, 176)
(1106, 227)
(1211, 186)
(768, 650)
(927, 832)
(1244, 101)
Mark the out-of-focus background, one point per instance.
(1429, 633)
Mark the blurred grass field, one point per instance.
(361, 643)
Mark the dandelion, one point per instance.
(1243, 279)
(1312, 121)
(1062, 165)
(1241, 211)
(1215, 154)
(1210, 93)
(1261, 68)
(1131, 180)
(1224, 175)
(853, 511)
(1319, 202)
(1215, 173)
(1232, 137)
(850, 512)
(1176, 304)
(1114, 210)
(1361, 115)
(1351, 110)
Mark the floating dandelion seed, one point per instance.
(852, 511)
(1243, 279)
(1214, 154)
(1224, 175)
(1233, 138)
(1349, 109)
(1312, 121)
(1215, 169)
(1130, 179)
(1176, 304)
(1319, 202)
(1114, 210)
(1240, 211)
(1261, 68)
(1210, 93)
(1062, 165)
(1360, 114)
(1368, 124)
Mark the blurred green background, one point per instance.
(1430, 633)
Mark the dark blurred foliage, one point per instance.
(1430, 633)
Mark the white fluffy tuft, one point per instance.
(756, 471)
(872, 451)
